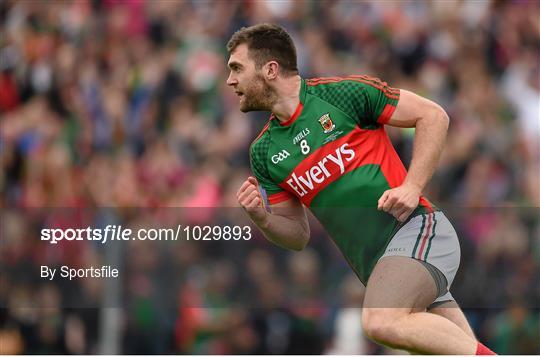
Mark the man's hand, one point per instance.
(251, 200)
(287, 226)
(400, 202)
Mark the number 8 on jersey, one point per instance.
(304, 147)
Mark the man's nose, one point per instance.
(231, 80)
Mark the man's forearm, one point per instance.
(286, 232)
(429, 138)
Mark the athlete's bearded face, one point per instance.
(248, 82)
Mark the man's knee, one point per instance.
(380, 325)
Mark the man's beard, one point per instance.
(260, 97)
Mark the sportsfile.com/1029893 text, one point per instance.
(119, 233)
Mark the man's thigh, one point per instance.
(431, 239)
(401, 283)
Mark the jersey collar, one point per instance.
(300, 106)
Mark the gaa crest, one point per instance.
(327, 123)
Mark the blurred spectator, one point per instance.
(348, 335)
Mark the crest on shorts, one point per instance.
(327, 123)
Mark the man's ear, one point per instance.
(271, 70)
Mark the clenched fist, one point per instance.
(400, 202)
(251, 200)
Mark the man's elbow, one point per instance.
(434, 117)
(300, 245)
(303, 241)
(442, 116)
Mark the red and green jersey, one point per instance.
(335, 156)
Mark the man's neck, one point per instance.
(288, 98)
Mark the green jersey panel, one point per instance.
(369, 101)
(258, 154)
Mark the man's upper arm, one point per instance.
(385, 105)
(410, 108)
(378, 100)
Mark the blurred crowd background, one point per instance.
(123, 103)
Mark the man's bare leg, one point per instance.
(397, 287)
(451, 311)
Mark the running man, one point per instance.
(325, 148)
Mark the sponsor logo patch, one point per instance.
(300, 136)
(332, 164)
(280, 156)
(395, 250)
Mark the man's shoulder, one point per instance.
(338, 82)
(336, 90)
(343, 83)
(342, 92)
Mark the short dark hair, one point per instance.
(267, 42)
